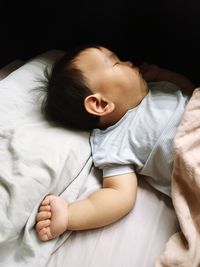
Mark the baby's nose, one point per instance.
(129, 63)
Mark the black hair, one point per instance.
(66, 90)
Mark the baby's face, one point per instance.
(119, 81)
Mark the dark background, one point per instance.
(162, 32)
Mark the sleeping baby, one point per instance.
(132, 114)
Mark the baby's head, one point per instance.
(91, 87)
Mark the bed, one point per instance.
(38, 158)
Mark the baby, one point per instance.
(132, 126)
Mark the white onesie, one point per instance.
(142, 140)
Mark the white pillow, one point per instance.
(7, 69)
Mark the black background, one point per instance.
(162, 32)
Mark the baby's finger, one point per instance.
(47, 200)
(42, 224)
(50, 236)
(45, 234)
(45, 208)
(42, 234)
(144, 66)
(43, 215)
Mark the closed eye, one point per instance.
(116, 63)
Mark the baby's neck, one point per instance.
(111, 119)
(118, 112)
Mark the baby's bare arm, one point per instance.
(152, 72)
(105, 206)
(180, 80)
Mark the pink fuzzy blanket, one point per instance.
(183, 248)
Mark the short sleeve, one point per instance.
(117, 170)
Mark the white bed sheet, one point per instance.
(137, 240)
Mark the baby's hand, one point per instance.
(52, 218)
(149, 71)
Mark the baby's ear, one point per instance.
(96, 105)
